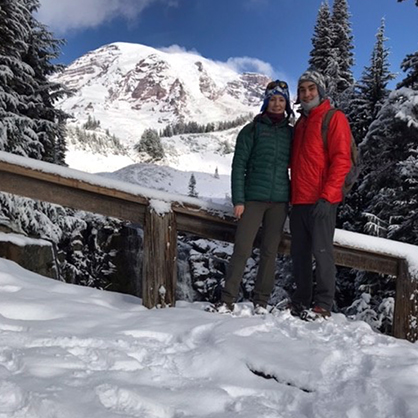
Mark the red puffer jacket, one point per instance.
(316, 174)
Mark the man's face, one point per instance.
(307, 91)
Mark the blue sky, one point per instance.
(269, 36)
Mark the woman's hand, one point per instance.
(238, 211)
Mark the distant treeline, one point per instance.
(194, 128)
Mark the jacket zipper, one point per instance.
(276, 128)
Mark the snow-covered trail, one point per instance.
(68, 351)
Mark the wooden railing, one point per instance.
(74, 189)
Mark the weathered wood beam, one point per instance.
(366, 260)
(76, 195)
(405, 317)
(52, 179)
(159, 273)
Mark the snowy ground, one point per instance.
(73, 352)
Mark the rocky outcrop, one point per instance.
(250, 85)
(207, 86)
(36, 255)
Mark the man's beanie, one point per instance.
(280, 88)
(315, 77)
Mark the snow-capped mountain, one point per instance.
(132, 87)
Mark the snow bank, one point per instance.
(71, 351)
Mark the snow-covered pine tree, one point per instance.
(50, 121)
(387, 187)
(389, 151)
(367, 99)
(371, 90)
(17, 131)
(387, 191)
(410, 66)
(150, 143)
(81, 240)
(91, 123)
(332, 78)
(30, 125)
(192, 187)
(210, 127)
(320, 54)
(404, 220)
(342, 42)
(332, 47)
(403, 223)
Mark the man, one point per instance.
(317, 176)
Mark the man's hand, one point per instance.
(322, 209)
(238, 211)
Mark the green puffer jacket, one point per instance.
(261, 161)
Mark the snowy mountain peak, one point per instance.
(132, 87)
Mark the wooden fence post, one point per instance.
(405, 317)
(159, 272)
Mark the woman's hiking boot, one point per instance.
(317, 312)
(220, 307)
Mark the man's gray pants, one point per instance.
(272, 217)
(313, 237)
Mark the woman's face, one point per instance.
(277, 104)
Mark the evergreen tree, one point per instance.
(210, 127)
(91, 123)
(388, 189)
(192, 187)
(333, 78)
(151, 144)
(342, 42)
(371, 91)
(368, 97)
(410, 66)
(29, 123)
(320, 55)
(404, 219)
(16, 129)
(332, 47)
(388, 186)
(50, 121)
(389, 152)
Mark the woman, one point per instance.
(260, 194)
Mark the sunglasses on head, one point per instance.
(278, 83)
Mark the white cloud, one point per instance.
(248, 64)
(255, 65)
(177, 49)
(238, 64)
(64, 15)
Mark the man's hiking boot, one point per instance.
(317, 312)
(220, 307)
(260, 310)
(295, 308)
